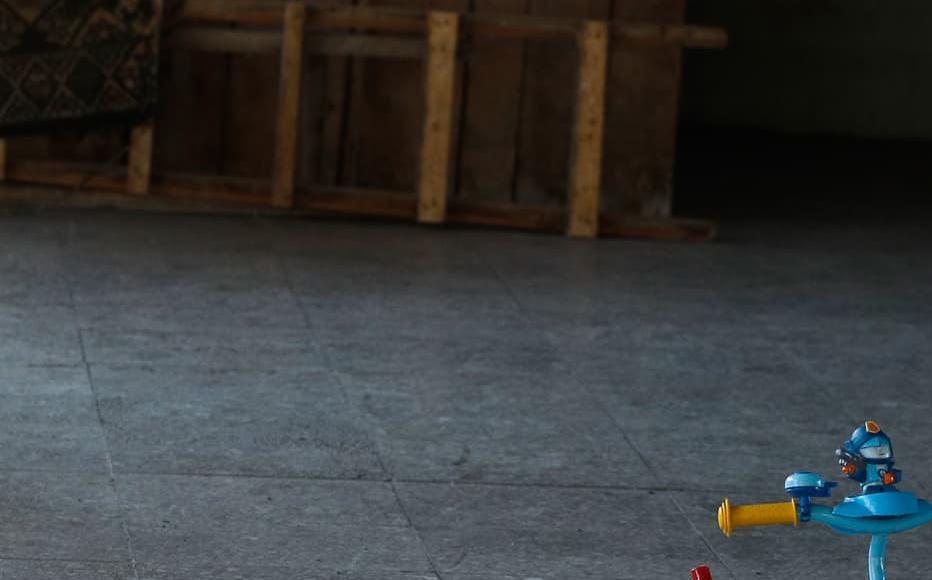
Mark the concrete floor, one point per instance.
(188, 397)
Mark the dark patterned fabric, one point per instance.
(70, 60)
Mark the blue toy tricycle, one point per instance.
(879, 511)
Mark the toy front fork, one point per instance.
(876, 557)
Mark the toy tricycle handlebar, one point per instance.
(732, 517)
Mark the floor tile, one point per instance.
(58, 570)
(241, 528)
(268, 350)
(497, 427)
(58, 516)
(50, 421)
(278, 422)
(517, 532)
(40, 334)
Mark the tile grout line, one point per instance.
(672, 497)
(434, 568)
(4, 558)
(100, 420)
(351, 408)
(112, 475)
(519, 307)
(708, 545)
(387, 479)
(604, 409)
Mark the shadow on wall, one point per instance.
(816, 109)
(740, 172)
(851, 67)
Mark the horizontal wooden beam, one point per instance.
(318, 18)
(685, 35)
(50, 184)
(112, 179)
(241, 41)
(406, 21)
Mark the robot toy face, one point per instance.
(877, 448)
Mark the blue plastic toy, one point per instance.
(878, 511)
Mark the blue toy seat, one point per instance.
(882, 504)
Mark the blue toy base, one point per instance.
(884, 504)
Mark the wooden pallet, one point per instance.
(435, 37)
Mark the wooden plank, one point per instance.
(318, 17)
(229, 40)
(251, 121)
(492, 105)
(289, 109)
(589, 131)
(515, 26)
(336, 76)
(546, 113)
(139, 166)
(384, 116)
(643, 111)
(108, 178)
(683, 35)
(369, 46)
(216, 195)
(193, 93)
(462, 8)
(437, 144)
(270, 41)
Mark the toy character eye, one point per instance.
(876, 452)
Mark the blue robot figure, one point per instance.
(879, 511)
(867, 458)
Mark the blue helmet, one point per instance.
(870, 443)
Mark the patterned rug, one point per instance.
(63, 61)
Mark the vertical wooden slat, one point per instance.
(437, 144)
(492, 105)
(2, 159)
(139, 169)
(251, 115)
(289, 108)
(589, 131)
(336, 73)
(141, 149)
(643, 113)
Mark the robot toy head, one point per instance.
(870, 443)
(867, 457)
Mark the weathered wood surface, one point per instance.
(643, 111)
(139, 164)
(104, 187)
(270, 42)
(363, 98)
(289, 106)
(437, 143)
(588, 132)
(515, 26)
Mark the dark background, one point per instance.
(815, 109)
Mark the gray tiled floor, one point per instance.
(193, 397)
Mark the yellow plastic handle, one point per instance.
(732, 517)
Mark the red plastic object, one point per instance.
(702, 573)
